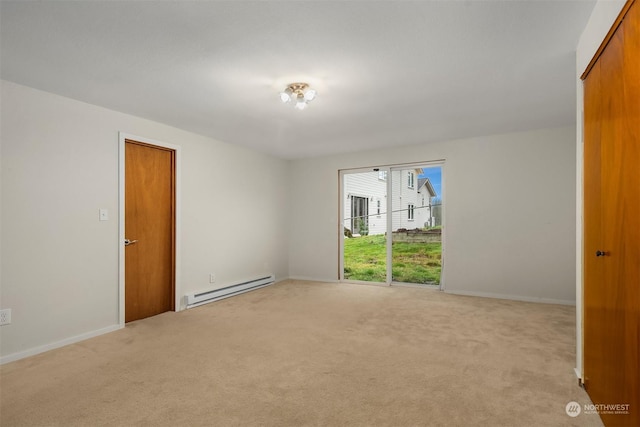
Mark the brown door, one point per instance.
(612, 225)
(149, 230)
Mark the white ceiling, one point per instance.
(387, 73)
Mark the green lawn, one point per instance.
(365, 259)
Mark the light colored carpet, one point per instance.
(319, 354)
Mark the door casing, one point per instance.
(121, 219)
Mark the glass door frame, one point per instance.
(389, 218)
(341, 219)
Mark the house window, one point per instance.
(410, 177)
(382, 175)
(410, 212)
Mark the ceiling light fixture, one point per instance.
(300, 93)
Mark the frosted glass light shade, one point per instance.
(285, 96)
(310, 95)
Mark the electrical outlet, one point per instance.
(5, 316)
(212, 278)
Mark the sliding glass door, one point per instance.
(416, 238)
(404, 246)
(364, 205)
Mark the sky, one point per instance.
(435, 176)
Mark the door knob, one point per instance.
(600, 253)
(128, 242)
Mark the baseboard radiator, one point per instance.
(205, 297)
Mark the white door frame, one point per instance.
(121, 218)
(388, 169)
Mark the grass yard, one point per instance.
(365, 259)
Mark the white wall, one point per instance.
(509, 212)
(602, 18)
(59, 269)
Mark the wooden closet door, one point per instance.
(150, 222)
(612, 224)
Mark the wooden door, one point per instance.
(612, 224)
(149, 225)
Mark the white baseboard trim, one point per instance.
(511, 297)
(577, 373)
(71, 340)
(313, 279)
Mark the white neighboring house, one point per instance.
(424, 204)
(365, 201)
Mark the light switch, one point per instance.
(104, 215)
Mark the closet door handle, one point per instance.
(600, 253)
